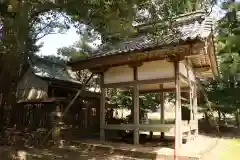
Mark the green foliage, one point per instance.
(229, 29)
(82, 48)
(224, 91)
(124, 99)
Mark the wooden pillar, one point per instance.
(191, 101)
(136, 107)
(162, 100)
(195, 107)
(178, 114)
(102, 109)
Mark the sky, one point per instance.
(52, 42)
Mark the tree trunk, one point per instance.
(15, 53)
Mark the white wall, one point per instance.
(149, 70)
(31, 87)
(155, 70)
(118, 74)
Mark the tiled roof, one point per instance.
(185, 27)
(47, 69)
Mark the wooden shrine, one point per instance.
(46, 86)
(172, 62)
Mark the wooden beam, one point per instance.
(178, 113)
(164, 90)
(142, 127)
(102, 109)
(136, 106)
(151, 127)
(119, 126)
(156, 127)
(131, 83)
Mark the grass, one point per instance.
(232, 151)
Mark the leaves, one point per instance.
(229, 29)
(224, 91)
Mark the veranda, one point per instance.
(170, 63)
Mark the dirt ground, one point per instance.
(214, 151)
(49, 154)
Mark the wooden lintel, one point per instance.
(165, 90)
(174, 57)
(119, 85)
(131, 83)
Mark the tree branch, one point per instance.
(44, 36)
(42, 8)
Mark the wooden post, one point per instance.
(102, 109)
(162, 100)
(195, 107)
(136, 107)
(191, 101)
(178, 114)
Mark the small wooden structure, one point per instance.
(44, 87)
(170, 62)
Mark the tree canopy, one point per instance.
(224, 91)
